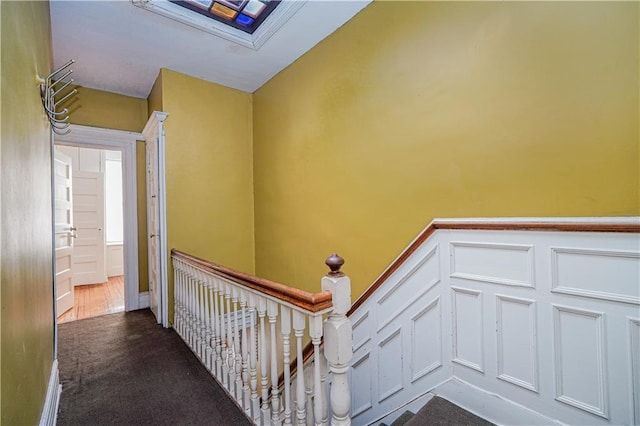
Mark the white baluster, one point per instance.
(211, 324)
(253, 358)
(218, 328)
(192, 308)
(207, 321)
(230, 347)
(177, 315)
(338, 345)
(176, 310)
(189, 307)
(323, 387)
(246, 395)
(237, 364)
(272, 312)
(181, 327)
(264, 381)
(308, 390)
(285, 328)
(200, 311)
(224, 295)
(315, 332)
(298, 327)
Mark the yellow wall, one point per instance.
(416, 110)
(208, 170)
(97, 108)
(26, 281)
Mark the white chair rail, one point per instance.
(245, 329)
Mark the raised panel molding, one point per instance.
(361, 376)
(426, 340)
(421, 278)
(390, 365)
(468, 335)
(517, 336)
(634, 358)
(601, 274)
(579, 359)
(506, 264)
(361, 334)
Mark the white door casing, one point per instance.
(64, 232)
(89, 260)
(125, 142)
(156, 217)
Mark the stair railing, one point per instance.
(240, 327)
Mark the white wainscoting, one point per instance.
(547, 320)
(115, 259)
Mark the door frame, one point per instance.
(125, 142)
(153, 132)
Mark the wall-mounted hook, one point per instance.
(59, 120)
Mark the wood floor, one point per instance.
(93, 300)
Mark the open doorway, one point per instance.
(96, 265)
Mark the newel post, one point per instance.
(338, 338)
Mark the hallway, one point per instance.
(124, 369)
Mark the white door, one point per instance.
(64, 231)
(89, 254)
(153, 228)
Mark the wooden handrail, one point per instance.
(311, 302)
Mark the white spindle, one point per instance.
(308, 390)
(323, 389)
(253, 358)
(246, 395)
(285, 328)
(230, 348)
(272, 312)
(264, 381)
(218, 329)
(315, 332)
(298, 327)
(224, 295)
(236, 349)
(208, 319)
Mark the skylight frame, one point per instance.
(281, 14)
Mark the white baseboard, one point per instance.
(50, 410)
(143, 300)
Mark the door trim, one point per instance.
(155, 128)
(117, 140)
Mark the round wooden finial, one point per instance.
(335, 262)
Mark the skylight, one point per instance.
(249, 23)
(245, 15)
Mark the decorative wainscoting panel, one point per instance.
(507, 264)
(590, 273)
(517, 339)
(546, 319)
(579, 359)
(468, 341)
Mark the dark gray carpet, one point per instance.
(124, 369)
(440, 412)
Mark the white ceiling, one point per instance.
(120, 48)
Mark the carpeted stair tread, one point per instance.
(440, 412)
(125, 369)
(403, 419)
